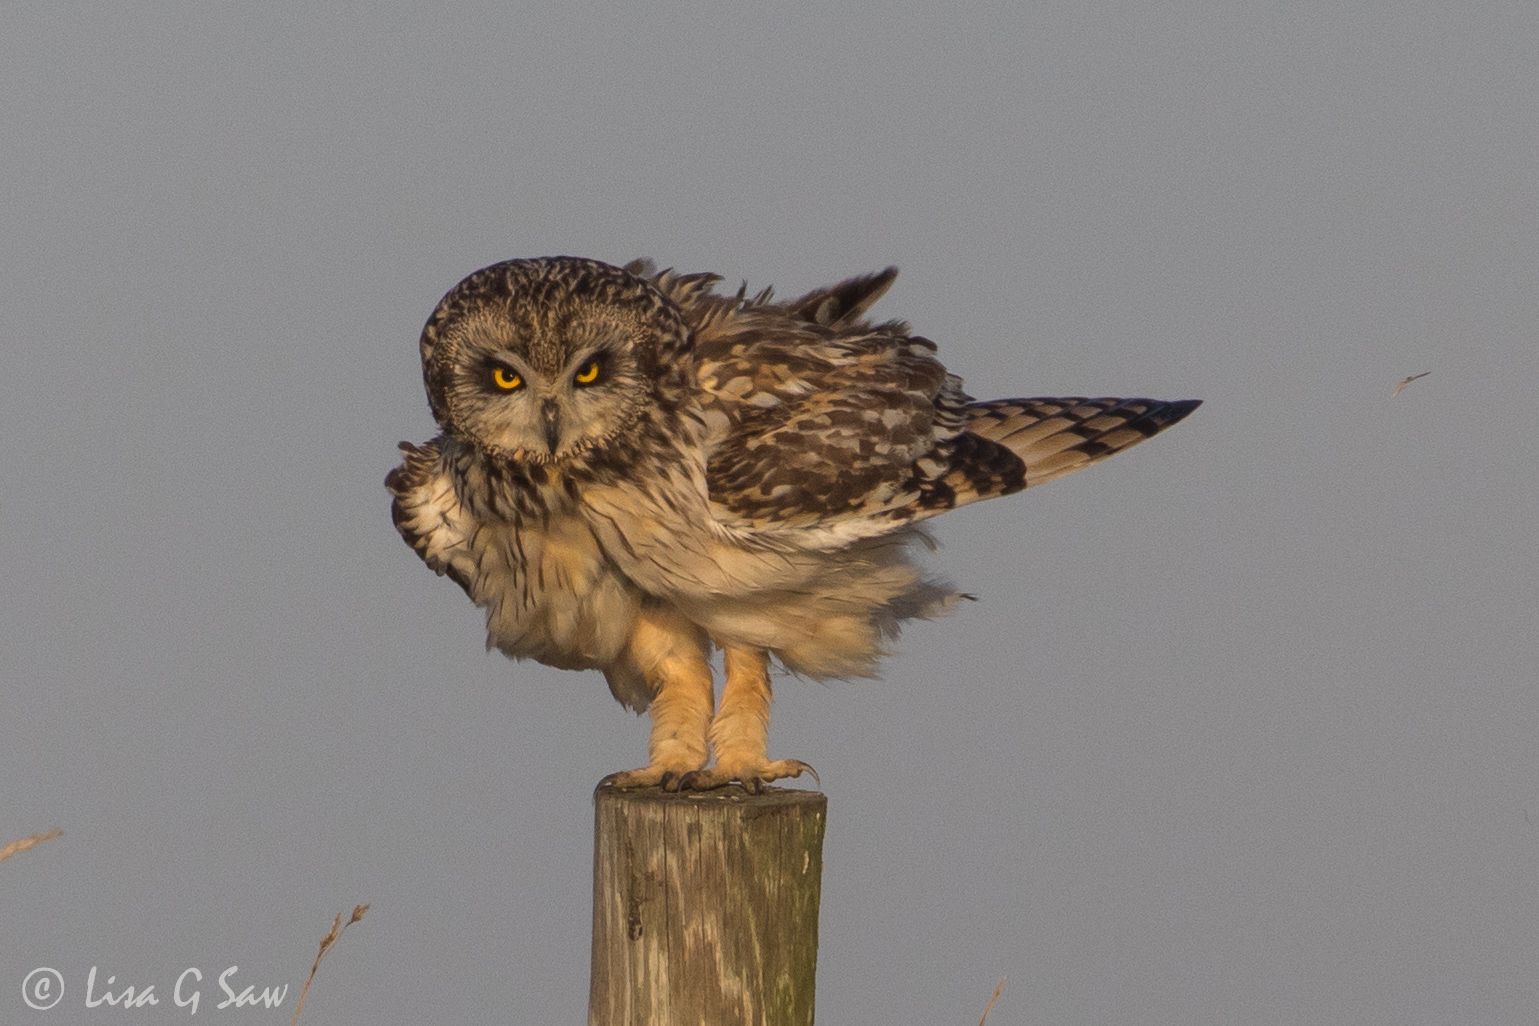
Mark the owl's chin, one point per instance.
(538, 455)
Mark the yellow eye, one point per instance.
(508, 381)
(588, 374)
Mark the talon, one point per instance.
(628, 780)
(751, 776)
(802, 767)
(666, 776)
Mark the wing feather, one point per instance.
(823, 428)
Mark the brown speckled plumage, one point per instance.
(662, 469)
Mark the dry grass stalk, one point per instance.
(337, 926)
(17, 847)
(998, 989)
(1406, 381)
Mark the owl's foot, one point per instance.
(668, 777)
(751, 775)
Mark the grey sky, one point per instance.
(1243, 729)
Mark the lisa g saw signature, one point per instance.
(43, 988)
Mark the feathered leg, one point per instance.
(671, 654)
(740, 732)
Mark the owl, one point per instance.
(635, 471)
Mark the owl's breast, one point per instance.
(551, 594)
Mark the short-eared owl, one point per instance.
(635, 470)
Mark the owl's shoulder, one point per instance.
(815, 417)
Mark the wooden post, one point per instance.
(705, 907)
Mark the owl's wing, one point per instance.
(828, 428)
(835, 306)
(845, 303)
(810, 425)
(1053, 436)
(428, 514)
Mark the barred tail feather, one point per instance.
(1057, 436)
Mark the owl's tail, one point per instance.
(1057, 436)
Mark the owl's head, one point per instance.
(540, 360)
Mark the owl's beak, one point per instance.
(550, 416)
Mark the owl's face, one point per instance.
(539, 360)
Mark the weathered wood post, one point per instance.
(705, 907)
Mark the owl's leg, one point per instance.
(671, 654)
(740, 731)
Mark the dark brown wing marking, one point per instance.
(811, 426)
(845, 303)
(1057, 436)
